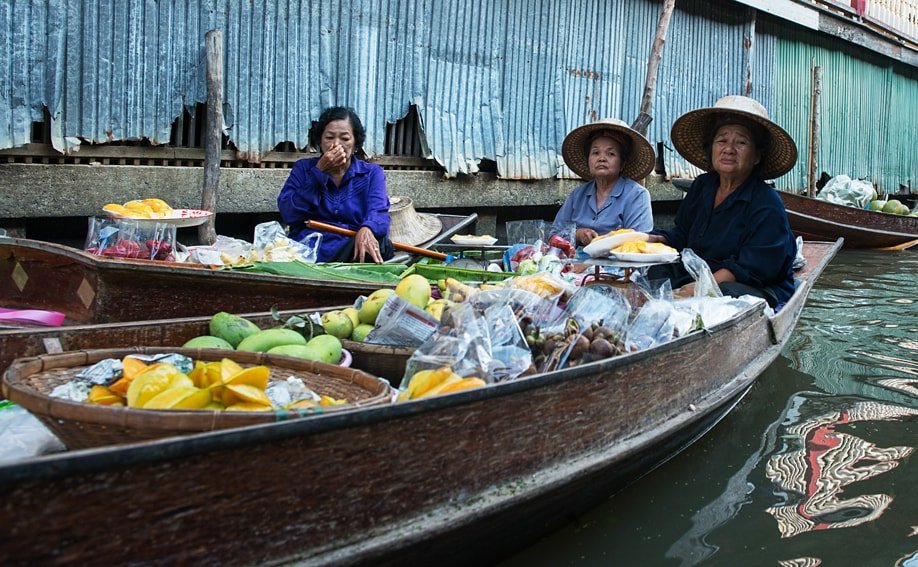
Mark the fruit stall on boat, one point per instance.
(498, 465)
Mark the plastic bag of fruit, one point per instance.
(124, 238)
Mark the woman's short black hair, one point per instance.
(333, 113)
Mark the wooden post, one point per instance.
(813, 161)
(213, 137)
(650, 81)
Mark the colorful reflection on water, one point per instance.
(815, 467)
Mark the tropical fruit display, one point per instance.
(140, 209)
(218, 386)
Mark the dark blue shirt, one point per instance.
(310, 194)
(747, 234)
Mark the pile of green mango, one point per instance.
(232, 332)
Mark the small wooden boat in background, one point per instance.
(814, 219)
(473, 474)
(93, 289)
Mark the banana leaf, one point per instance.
(368, 273)
(434, 272)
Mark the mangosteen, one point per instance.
(601, 348)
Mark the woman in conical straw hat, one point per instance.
(730, 217)
(611, 155)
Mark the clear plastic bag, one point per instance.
(653, 325)
(705, 285)
(402, 323)
(842, 190)
(124, 238)
(272, 245)
(610, 310)
(22, 435)
(526, 231)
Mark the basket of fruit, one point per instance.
(147, 393)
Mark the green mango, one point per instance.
(232, 328)
(207, 341)
(263, 341)
(328, 347)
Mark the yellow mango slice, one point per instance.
(245, 393)
(256, 376)
(228, 369)
(104, 396)
(170, 397)
(452, 380)
(198, 374)
(326, 401)
(149, 383)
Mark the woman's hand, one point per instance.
(657, 238)
(366, 247)
(333, 159)
(585, 235)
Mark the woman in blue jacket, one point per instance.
(730, 217)
(337, 188)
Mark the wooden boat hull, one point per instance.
(477, 473)
(380, 360)
(820, 220)
(92, 289)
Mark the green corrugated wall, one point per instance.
(868, 115)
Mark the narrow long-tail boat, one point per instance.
(93, 289)
(472, 475)
(814, 219)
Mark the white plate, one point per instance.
(658, 258)
(179, 217)
(472, 240)
(600, 247)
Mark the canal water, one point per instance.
(816, 466)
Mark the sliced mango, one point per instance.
(170, 397)
(198, 374)
(245, 393)
(256, 376)
(104, 396)
(228, 369)
(330, 401)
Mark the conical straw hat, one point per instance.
(409, 226)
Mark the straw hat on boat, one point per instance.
(409, 226)
(692, 133)
(637, 165)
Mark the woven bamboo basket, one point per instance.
(29, 381)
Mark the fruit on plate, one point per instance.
(140, 209)
(641, 247)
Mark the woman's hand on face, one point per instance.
(366, 247)
(334, 158)
(585, 235)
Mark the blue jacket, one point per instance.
(747, 234)
(310, 194)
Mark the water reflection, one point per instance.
(820, 460)
(815, 467)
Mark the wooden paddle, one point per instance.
(397, 245)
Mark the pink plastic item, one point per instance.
(37, 316)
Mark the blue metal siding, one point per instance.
(503, 80)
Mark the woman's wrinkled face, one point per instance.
(733, 151)
(605, 158)
(339, 132)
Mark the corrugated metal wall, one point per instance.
(502, 80)
(868, 117)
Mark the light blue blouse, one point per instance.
(627, 206)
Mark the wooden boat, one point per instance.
(379, 360)
(470, 475)
(92, 289)
(814, 219)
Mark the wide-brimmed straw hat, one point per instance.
(408, 226)
(693, 128)
(640, 160)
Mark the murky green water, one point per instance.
(816, 466)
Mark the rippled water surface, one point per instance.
(816, 466)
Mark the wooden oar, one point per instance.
(397, 245)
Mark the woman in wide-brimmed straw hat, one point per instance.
(730, 217)
(611, 155)
(337, 188)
